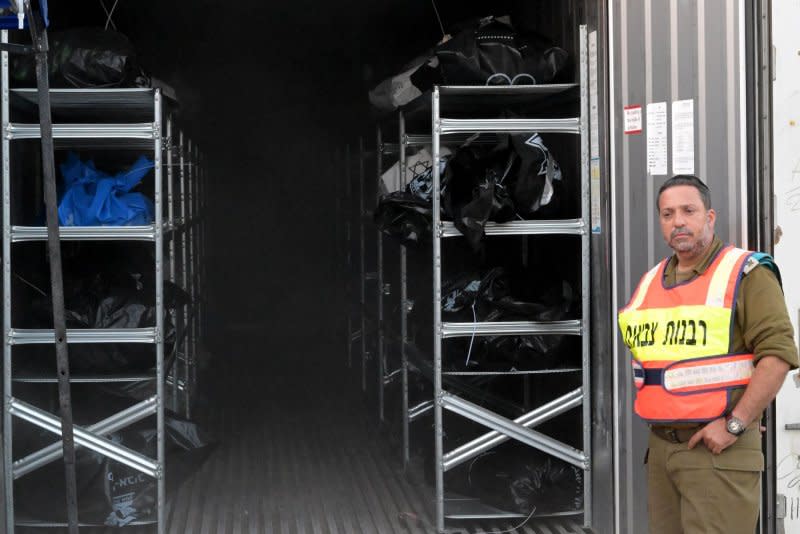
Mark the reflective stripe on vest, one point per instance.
(680, 339)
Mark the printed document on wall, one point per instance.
(683, 137)
(657, 138)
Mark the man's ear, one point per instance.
(712, 216)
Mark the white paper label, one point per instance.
(657, 138)
(683, 137)
(633, 119)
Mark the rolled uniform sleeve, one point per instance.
(763, 324)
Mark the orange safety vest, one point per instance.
(680, 338)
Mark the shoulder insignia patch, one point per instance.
(750, 264)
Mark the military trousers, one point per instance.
(696, 492)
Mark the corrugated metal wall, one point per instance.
(665, 51)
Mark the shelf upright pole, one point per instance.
(363, 260)
(379, 253)
(189, 270)
(8, 458)
(185, 308)
(348, 236)
(200, 248)
(171, 224)
(585, 278)
(338, 234)
(404, 301)
(203, 243)
(437, 317)
(204, 223)
(159, 244)
(193, 176)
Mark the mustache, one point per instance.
(680, 231)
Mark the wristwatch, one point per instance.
(735, 426)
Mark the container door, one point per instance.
(678, 106)
(786, 189)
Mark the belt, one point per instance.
(674, 435)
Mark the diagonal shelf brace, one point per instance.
(99, 444)
(116, 422)
(419, 410)
(491, 439)
(391, 376)
(514, 430)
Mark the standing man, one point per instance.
(711, 342)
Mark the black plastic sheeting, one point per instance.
(524, 480)
(105, 288)
(490, 51)
(487, 51)
(474, 298)
(405, 217)
(518, 178)
(84, 58)
(515, 179)
(109, 493)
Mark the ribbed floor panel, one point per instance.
(299, 453)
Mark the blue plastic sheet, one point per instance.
(94, 198)
(8, 19)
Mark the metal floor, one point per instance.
(299, 453)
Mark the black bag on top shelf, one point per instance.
(487, 51)
(89, 57)
(490, 51)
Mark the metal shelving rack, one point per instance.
(407, 415)
(385, 375)
(185, 227)
(502, 428)
(363, 262)
(407, 141)
(346, 210)
(379, 285)
(124, 107)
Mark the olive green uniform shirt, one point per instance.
(761, 324)
(692, 490)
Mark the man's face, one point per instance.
(687, 226)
